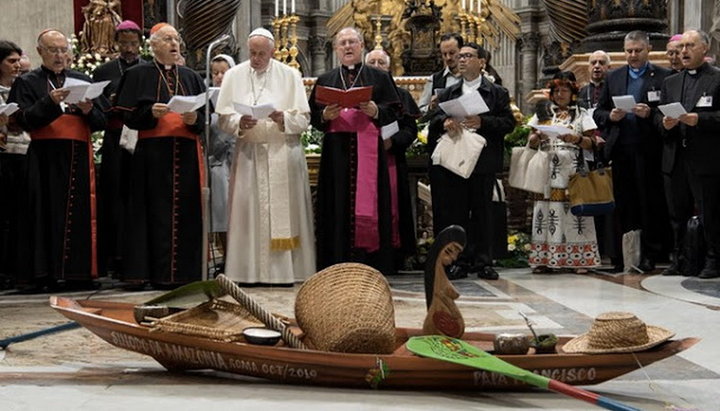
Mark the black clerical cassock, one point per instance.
(355, 215)
(163, 241)
(58, 238)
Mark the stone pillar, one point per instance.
(529, 49)
(613, 19)
(317, 41)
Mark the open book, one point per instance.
(345, 98)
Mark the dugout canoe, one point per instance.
(114, 322)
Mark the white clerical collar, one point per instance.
(473, 83)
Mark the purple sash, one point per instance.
(367, 235)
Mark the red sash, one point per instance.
(70, 127)
(171, 125)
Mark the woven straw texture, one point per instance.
(215, 319)
(347, 308)
(618, 332)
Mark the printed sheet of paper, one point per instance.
(81, 90)
(186, 104)
(673, 110)
(214, 93)
(389, 130)
(553, 131)
(8, 109)
(625, 103)
(345, 98)
(257, 112)
(466, 105)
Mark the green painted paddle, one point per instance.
(459, 352)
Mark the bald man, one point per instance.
(163, 241)
(598, 65)
(60, 228)
(691, 149)
(395, 146)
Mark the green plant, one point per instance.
(97, 141)
(518, 251)
(419, 146)
(311, 140)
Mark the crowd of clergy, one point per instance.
(163, 187)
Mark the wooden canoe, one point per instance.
(114, 322)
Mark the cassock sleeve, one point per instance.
(408, 125)
(34, 112)
(385, 95)
(604, 106)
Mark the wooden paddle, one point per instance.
(459, 352)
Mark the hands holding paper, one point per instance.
(455, 126)
(160, 109)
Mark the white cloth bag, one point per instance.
(128, 139)
(459, 154)
(529, 169)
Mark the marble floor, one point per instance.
(557, 303)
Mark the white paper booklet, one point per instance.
(81, 90)
(466, 105)
(673, 110)
(257, 112)
(214, 93)
(625, 103)
(8, 109)
(389, 130)
(553, 131)
(186, 104)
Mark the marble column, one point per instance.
(317, 42)
(613, 19)
(529, 49)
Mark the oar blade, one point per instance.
(459, 352)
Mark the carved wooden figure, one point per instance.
(443, 316)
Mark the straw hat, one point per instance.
(618, 332)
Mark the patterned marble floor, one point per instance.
(557, 303)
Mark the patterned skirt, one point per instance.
(560, 239)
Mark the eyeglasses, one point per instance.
(467, 56)
(56, 50)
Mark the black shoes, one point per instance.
(711, 269)
(487, 273)
(647, 265)
(456, 272)
(673, 270)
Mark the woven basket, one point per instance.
(347, 308)
(215, 319)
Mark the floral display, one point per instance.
(518, 251)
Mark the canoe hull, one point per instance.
(401, 370)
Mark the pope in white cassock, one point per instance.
(270, 230)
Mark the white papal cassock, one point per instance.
(270, 233)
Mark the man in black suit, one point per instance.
(450, 45)
(634, 148)
(461, 201)
(691, 149)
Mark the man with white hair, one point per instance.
(598, 66)
(395, 146)
(270, 232)
(163, 237)
(357, 212)
(59, 232)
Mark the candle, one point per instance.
(462, 5)
(292, 8)
(284, 7)
(479, 3)
(277, 8)
(470, 6)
